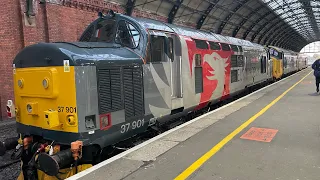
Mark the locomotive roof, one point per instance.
(283, 50)
(193, 33)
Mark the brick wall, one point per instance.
(56, 20)
(11, 41)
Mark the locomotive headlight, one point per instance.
(71, 120)
(45, 83)
(29, 108)
(20, 83)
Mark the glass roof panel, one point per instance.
(294, 13)
(315, 3)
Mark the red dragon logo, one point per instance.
(216, 73)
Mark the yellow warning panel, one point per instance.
(66, 65)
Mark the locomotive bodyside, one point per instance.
(125, 75)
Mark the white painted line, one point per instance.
(93, 168)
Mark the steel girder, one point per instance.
(287, 37)
(275, 33)
(224, 22)
(206, 13)
(252, 26)
(289, 41)
(244, 20)
(261, 28)
(269, 29)
(308, 8)
(291, 44)
(244, 36)
(174, 11)
(130, 6)
(272, 26)
(312, 16)
(258, 31)
(282, 35)
(308, 12)
(293, 9)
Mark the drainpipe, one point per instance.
(45, 19)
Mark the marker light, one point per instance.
(20, 83)
(29, 108)
(45, 83)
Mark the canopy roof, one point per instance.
(289, 24)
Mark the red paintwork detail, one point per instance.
(191, 45)
(226, 91)
(209, 85)
(254, 59)
(102, 127)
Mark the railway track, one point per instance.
(9, 169)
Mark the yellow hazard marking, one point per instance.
(66, 65)
(193, 167)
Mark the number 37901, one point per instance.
(67, 109)
(133, 125)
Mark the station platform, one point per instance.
(273, 133)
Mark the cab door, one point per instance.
(157, 76)
(163, 74)
(269, 64)
(174, 58)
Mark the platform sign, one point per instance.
(260, 134)
(66, 65)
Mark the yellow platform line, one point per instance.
(193, 167)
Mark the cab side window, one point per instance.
(157, 49)
(171, 49)
(198, 74)
(214, 46)
(127, 35)
(234, 48)
(225, 47)
(263, 61)
(285, 62)
(200, 44)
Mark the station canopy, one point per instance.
(289, 24)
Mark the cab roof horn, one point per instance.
(110, 13)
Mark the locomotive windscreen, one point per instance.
(104, 31)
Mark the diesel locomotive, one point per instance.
(124, 75)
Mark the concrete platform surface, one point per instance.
(214, 146)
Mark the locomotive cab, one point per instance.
(276, 57)
(57, 85)
(116, 29)
(80, 93)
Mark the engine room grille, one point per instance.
(109, 87)
(133, 97)
(234, 76)
(121, 88)
(198, 80)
